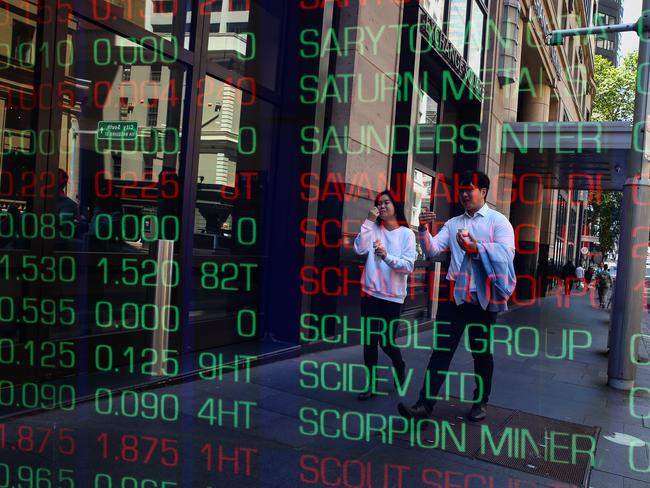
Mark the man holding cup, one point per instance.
(481, 275)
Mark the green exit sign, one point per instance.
(117, 130)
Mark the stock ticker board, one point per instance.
(341, 243)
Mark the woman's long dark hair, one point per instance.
(399, 209)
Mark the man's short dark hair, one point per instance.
(476, 178)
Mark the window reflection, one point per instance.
(19, 142)
(427, 120)
(227, 228)
(476, 38)
(120, 140)
(457, 24)
(162, 17)
(217, 165)
(435, 8)
(421, 198)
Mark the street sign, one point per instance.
(117, 130)
(584, 250)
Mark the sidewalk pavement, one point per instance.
(572, 390)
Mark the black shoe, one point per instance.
(417, 411)
(477, 413)
(401, 374)
(366, 395)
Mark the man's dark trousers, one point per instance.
(445, 347)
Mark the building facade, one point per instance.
(607, 45)
(219, 158)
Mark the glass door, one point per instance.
(118, 134)
(25, 185)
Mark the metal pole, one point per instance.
(559, 35)
(628, 306)
(628, 303)
(160, 337)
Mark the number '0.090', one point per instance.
(146, 404)
(32, 395)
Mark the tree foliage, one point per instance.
(615, 89)
(607, 213)
(614, 101)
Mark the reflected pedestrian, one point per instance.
(389, 244)
(568, 275)
(603, 283)
(580, 276)
(482, 245)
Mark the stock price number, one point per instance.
(147, 405)
(35, 477)
(32, 226)
(147, 228)
(104, 480)
(43, 396)
(37, 440)
(168, 184)
(138, 360)
(45, 311)
(46, 269)
(46, 354)
(134, 316)
(139, 449)
(136, 272)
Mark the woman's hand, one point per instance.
(380, 250)
(373, 214)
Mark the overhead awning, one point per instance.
(563, 152)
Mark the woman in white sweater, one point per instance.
(389, 245)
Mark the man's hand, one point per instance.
(468, 243)
(380, 250)
(373, 214)
(427, 217)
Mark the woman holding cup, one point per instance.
(389, 244)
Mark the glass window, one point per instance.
(156, 72)
(157, 16)
(233, 153)
(237, 27)
(435, 8)
(126, 73)
(152, 112)
(421, 198)
(239, 32)
(122, 183)
(239, 5)
(457, 24)
(19, 143)
(476, 38)
(22, 42)
(427, 120)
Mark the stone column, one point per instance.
(526, 211)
